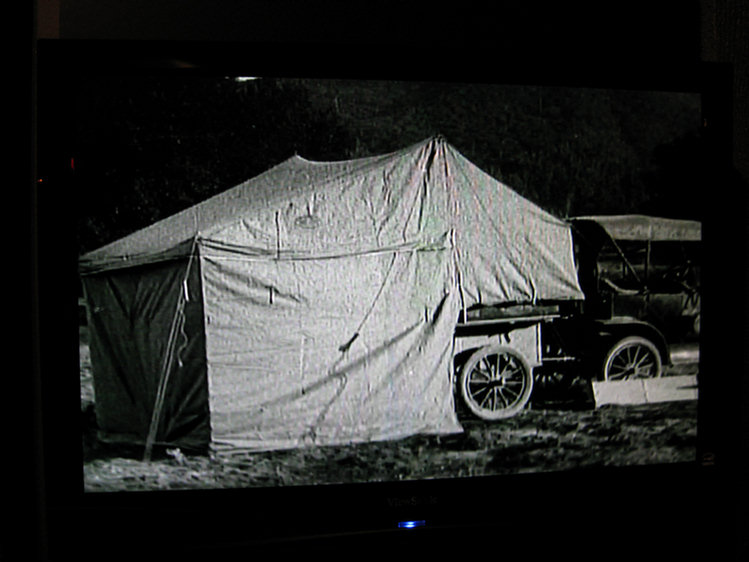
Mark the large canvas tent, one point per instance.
(313, 304)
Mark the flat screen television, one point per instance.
(129, 133)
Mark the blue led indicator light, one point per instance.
(411, 524)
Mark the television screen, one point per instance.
(279, 304)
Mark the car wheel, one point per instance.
(633, 357)
(496, 382)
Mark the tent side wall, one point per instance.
(330, 314)
(329, 351)
(132, 312)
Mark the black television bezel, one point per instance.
(567, 506)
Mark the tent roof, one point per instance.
(642, 227)
(508, 248)
(173, 235)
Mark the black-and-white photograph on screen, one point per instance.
(289, 282)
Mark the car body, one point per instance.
(641, 267)
(640, 278)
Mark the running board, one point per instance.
(645, 391)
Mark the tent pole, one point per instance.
(163, 379)
(176, 327)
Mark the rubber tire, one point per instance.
(629, 342)
(517, 405)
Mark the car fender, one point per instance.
(611, 330)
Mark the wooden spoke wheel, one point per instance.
(632, 358)
(496, 382)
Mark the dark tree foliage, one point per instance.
(149, 147)
(680, 178)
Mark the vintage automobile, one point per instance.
(642, 267)
(640, 277)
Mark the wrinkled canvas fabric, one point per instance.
(510, 250)
(337, 326)
(309, 360)
(330, 291)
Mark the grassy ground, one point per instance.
(545, 438)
